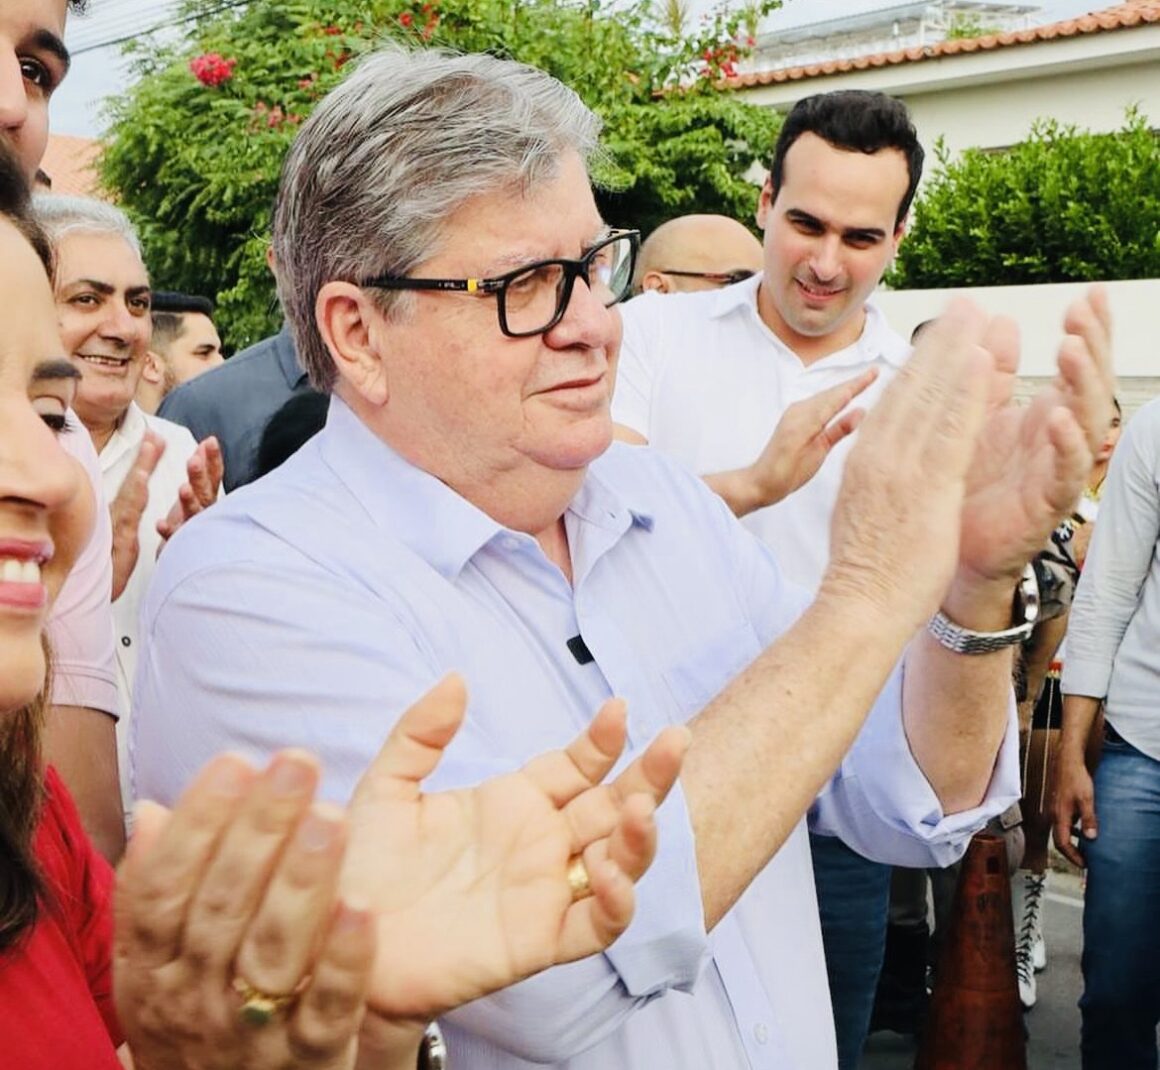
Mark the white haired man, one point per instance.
(103, 300)
(451, 283)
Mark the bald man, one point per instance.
(696, 252)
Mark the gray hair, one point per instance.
(391, 153)
(60, 216)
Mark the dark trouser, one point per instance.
(853, 894)
(1121, 920)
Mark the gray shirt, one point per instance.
(235, 402)
(1113, 636)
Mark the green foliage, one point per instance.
(194, 156)
(1063, 206)
(967, 28)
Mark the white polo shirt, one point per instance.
(706, 381)
(116, 460)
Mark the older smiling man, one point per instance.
(450, 281)
(103, 299)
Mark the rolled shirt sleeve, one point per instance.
(881, 804)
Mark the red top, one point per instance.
(56, 984)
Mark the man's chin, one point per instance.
(578, 446)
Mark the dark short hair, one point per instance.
(172, 301)
(16, 207)
(855, 120)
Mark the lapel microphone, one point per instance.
(580, 650)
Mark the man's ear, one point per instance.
(350, 327)
(765, 201)
(153, 368)
(656, 280)
(900, 232)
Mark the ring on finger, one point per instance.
(578, 880)
(258, 1007)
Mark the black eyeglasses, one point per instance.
(533, 299)
(725, 278)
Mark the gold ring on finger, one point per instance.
(258, 1007)
(578, 879)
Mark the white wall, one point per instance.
(1039, 312)
(999, 114)
(990, 98)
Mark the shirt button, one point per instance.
(126, 641)
(761, 1033)
(511, 542)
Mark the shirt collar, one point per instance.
(128, 436)
(878, 341)
(430, 518)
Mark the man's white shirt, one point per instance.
(116, 461)
(706, 382)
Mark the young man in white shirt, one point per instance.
(707, 378)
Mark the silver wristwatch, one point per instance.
(1025, 611)
(433, 1050)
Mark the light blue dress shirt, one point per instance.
(311, 607)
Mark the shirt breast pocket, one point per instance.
(702, 670)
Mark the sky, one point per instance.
(99, 70)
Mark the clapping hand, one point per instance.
(205, 469)
(242, 893)
(470, 888)
(236, 888)
(1031, 462)
(950, 473)
(804, 436)
(127, 508)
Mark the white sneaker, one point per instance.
(1025, 973)
(1031, 922)
(1030, 951)
(1038, 953)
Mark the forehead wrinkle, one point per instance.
(514, 261)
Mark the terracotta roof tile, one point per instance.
(1122, 16)
(71, 164)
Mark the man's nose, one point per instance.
(13, 95)
(120, 323)
(825, 259)
(586, 320)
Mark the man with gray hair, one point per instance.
(450, 282)
(103, 298)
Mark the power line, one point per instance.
(116, 18)
(228, 5)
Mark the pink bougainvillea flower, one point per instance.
(212, 69)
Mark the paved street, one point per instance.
(1054, 1022)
